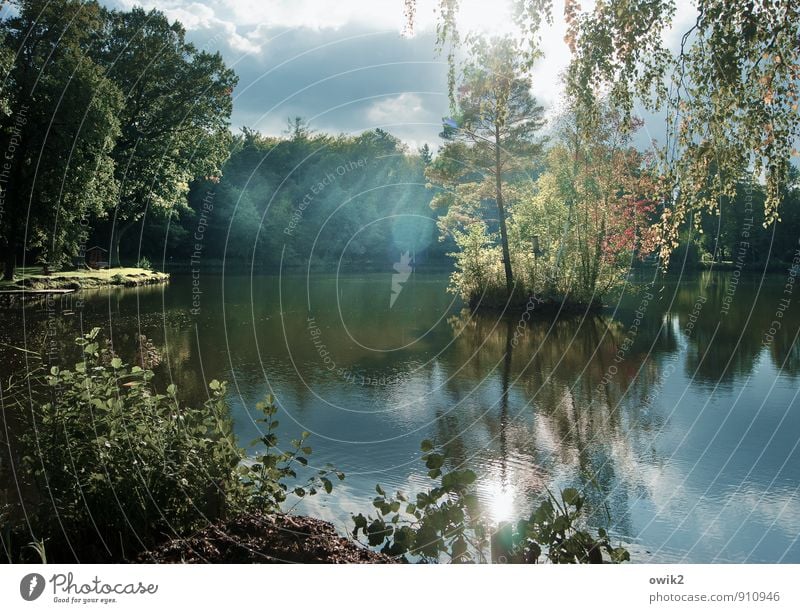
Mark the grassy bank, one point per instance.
(35, 279)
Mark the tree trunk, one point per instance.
(10, 263)
(116, 237)
(501, 213)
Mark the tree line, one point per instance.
(307, 199)
(104, 115)
(115, 130)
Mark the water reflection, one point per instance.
(675, 414)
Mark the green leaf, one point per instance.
(458, 549)
(571, 496)
(326, 483)
(434, 460)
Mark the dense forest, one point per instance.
(306, 199)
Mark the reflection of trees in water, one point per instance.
(566, 407)
(731, 353)
(561, 401)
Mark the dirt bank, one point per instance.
(265, 539)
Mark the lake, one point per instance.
(675, 409)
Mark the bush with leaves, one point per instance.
(445, 523)
(144, 262)
(271, 475)
(117, 466)
(554, 529)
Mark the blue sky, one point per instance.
(345, 66)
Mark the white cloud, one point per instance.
(405, 108)
(264, 43)
(379, 14)
(245, 20)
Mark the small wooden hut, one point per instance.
(97, 257)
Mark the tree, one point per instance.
(591, 208)
(730, 91)
(492, 137)
(58, 130)
(175, 119)
(425, 154)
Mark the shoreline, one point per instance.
(69, 281)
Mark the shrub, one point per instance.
(117, 466)
(271, 475)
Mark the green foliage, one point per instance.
(477, 263)
(271, 476)
(445, 523)
(144, 263)
(102, 109)
(730, 90)
(61, 123)
(553, 529)
(174, 124)
(492, 142)
(118, 466)
(572, 233)
(318, 195)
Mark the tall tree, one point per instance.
(730, 89)
(178, 102)
(492, 136)
(56, 131)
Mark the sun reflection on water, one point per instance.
(500, 501)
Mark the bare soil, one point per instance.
(265, 539)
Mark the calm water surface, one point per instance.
(675, 409)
